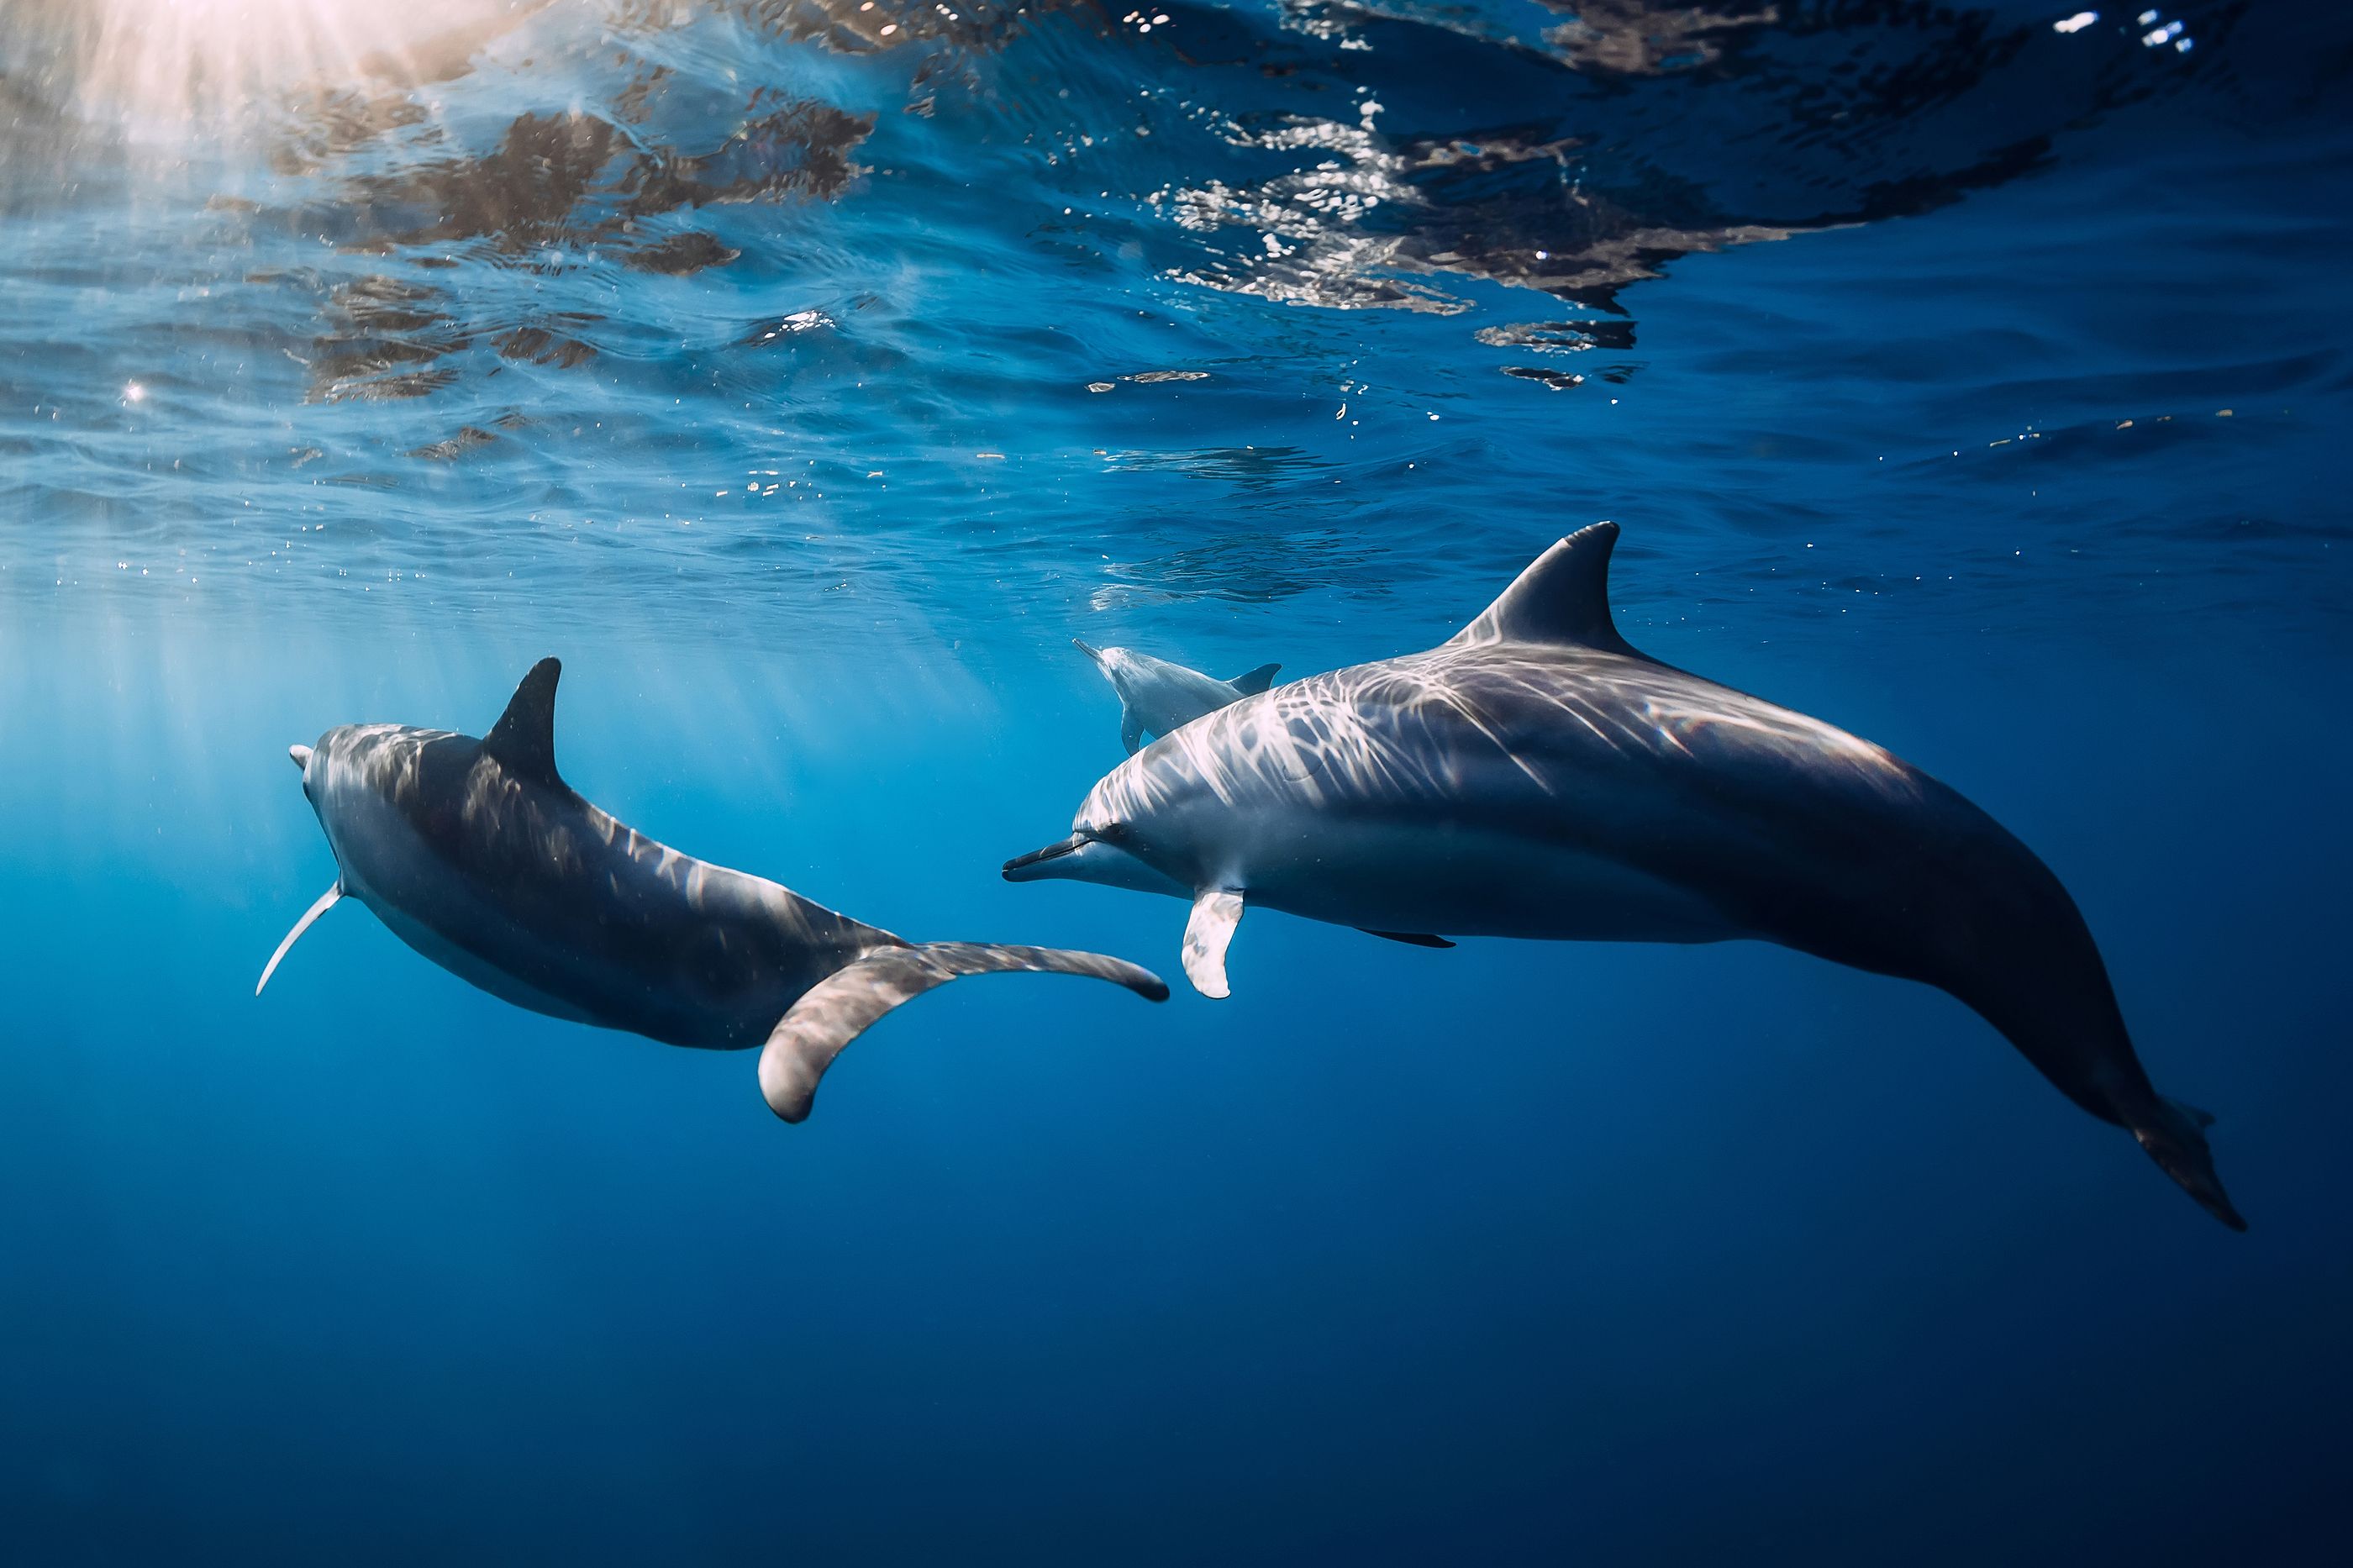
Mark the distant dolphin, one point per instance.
(479, 855)
(1536, 776)
(1157, 698)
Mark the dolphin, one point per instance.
(1536, 776)
(1157, 698)
(477, 855)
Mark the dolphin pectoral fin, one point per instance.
(1255, 681)
(1411, 939)
(326, 901)
(841, 1007)
(1131, 729)
(1208, 935)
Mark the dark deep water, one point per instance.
(806, 376)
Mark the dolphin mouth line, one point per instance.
(1055, 851)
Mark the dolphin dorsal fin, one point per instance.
(1250, 683)
(523, 740)
(1562, 597)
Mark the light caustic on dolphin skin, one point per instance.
(477, 854)
(1536, 776)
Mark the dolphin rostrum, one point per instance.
(1536, 776)
(1157, 698)
(477, 855)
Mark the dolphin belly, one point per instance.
(476, 929)
(1460, 880)
(467, 966)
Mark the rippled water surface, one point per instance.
(807, 373)
(658, 308)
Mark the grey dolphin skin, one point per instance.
(479, 855)
(1536, 776)
(1157, 698)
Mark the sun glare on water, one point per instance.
(172, 67)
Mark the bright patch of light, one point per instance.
(2077, 23)
(135, 393)
(158, 66)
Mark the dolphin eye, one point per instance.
(1113, 832)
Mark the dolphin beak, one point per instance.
(300, 755)
(1093, 653)
(1024, 867)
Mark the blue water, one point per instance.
(1977, 387)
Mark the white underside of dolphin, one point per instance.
(1536, 776)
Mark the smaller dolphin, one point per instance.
(1157, 697)
(477, 855)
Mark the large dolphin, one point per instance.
(1536, 776)
(1157, 698)
(479, 855)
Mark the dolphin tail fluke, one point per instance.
(326, 901)
(841, 1007)
(2175, 1136)
(1256, 680)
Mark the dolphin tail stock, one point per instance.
(841, 1007)
(1251, 682)
(2174, 1134)
(327, 900)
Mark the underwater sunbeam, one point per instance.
(158, 69)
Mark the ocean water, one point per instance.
(806, 374)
